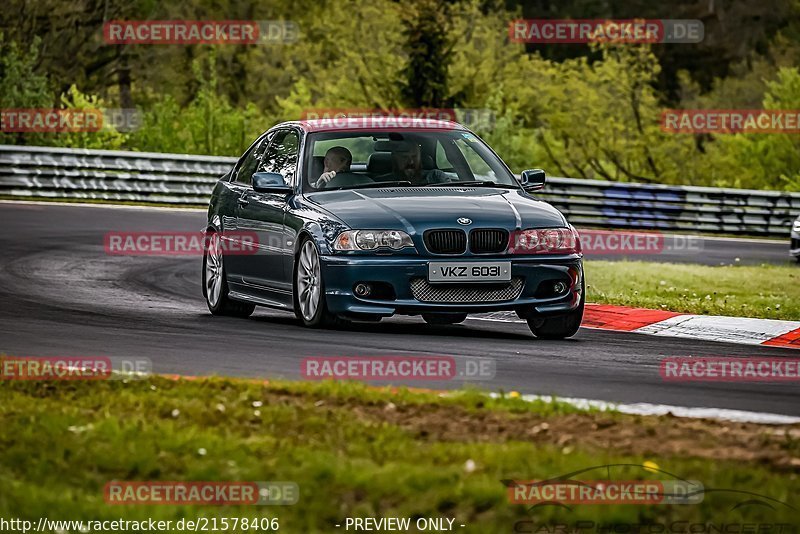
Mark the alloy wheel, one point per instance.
(214, 272)
(308, 281)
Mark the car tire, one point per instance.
(310, 305)
(559, 326)
(444, 318)
(215, 284)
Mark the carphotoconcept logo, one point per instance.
(658, 488)
(397, 368)
(619, 31)
(185, 32)
(590, 526)
(580, 488)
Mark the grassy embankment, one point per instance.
(360, 451)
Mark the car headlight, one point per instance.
(546, 241)
(796, 226)
(372, 239)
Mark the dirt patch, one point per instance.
(777, 447)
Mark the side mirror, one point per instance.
(532, 179)
(270, 182)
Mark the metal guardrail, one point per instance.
(79, 174)
(82, 174)
(684, 208)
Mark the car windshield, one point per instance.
(435, 158)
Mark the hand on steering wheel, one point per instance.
(324, 179)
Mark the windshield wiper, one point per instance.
(471, 183)
(404, 183)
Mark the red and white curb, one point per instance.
(742, 330)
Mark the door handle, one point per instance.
(242, 201)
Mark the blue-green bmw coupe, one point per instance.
(344, 219)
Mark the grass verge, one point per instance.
(765, 291)
(357, 451)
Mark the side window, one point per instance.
(281, 156)
(250, 163)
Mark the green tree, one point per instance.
(107, 138)
(429, 51)
(766, 160)
(20, 85)
(209, 124)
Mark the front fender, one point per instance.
(322, 231)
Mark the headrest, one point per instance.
(379, 163)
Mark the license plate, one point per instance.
(482, 271)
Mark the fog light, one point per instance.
(559, 288)
(363, 290)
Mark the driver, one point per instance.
(337, 160)
(407, 165)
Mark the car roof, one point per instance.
(373, 123)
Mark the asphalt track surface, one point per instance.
(62, 295)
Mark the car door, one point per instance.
(240, 182)
(263, 214)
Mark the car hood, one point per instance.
(418, 209)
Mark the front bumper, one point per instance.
(794, 247)
(342, 273)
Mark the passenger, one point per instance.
(337, 160)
